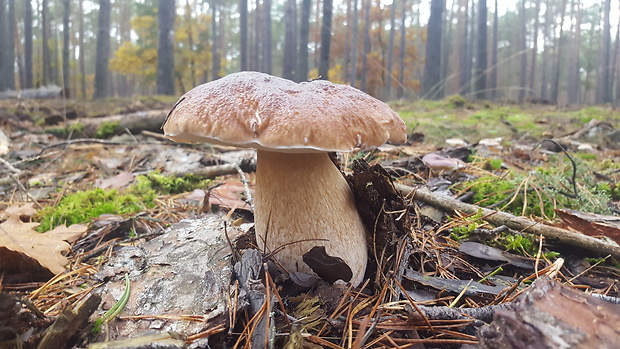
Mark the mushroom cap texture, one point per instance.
(251, 109)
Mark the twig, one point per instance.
(246, 185)
(498, 218)
(575, 195)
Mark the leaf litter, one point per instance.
(426, 286)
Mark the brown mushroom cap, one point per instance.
(251, 109)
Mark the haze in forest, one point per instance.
(561, 52)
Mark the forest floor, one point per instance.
(104, 196)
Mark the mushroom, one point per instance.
(301, 198)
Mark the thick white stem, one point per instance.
(301, 197)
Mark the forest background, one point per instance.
(561, 52)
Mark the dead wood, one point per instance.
(551, 315)
(592, 224)
(498, 218)
(69, 324)
(150, 120)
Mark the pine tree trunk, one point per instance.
(555, 83)
(481, 60)
(493, 73)
(574, 81)
(364, 77)
(267, 53)
(290, 40)
(390, 53)
(603, 93)
(243, 34)
(165, 50)
(463, 47)
(326, 33)
(28, 44)
(65, 48)
(431, 84)
(522, 52)
(103, 50)
(304, 37)
(354, 36)
(532, 77)
(4, 42)
(82, 59)
(215, 53)
(401, 59)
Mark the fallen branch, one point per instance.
(498, 218)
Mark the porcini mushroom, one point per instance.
(301, 199)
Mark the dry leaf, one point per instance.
(121, 180)
(69, 234)
(20, 243)
(26, 209)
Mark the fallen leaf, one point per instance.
(19, 240)
(18, 210)
(115, 182)
(69, 234)
(230, 195)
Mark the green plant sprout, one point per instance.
(116, 308)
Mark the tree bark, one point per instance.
(4, 42)
(431, 84)
(165, 49)
(401, 58)
(65, 48)
(47, 63)
(367, 6)
(82, 59)
(304, 37)
(290, 40)
(326, 33)
(574, 80)
(481, 59)
(523, 52)
(493, 73)
(215, 53)
(243, 34)
(463, 38)
(28, 44)
(103, 51)
(354, 36)
(555, 83)
(267, 54)
(390, 52)
(603, 93)
(532, 77)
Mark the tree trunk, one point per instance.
(481, 60)
(4, 42)
(390, 52)
(401, 58)
(103, 51)
(215, 54)
(545, 65)
(366, 52)
(446, 50)
(28, 76)
(47, 63)
(354, 36)
(463, 47)
(532, 78)
(256, 62)
(555, 84)
(290, 40)
(267, 54)
(574, 81)
(304, 37)
(82, 58)
(493, 74)
(603, 93)
(326, 33)
(165, 50)
(65, 48)
(523, 52)
(431, 84)
(243, 34)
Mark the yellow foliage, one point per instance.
(334, 74)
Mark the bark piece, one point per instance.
(550, 315)
(591, 224)
(69, 324)
(179, 280)
(150, 120)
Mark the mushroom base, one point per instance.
(302, 201)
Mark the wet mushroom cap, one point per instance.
(251, 109)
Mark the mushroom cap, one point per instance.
(252, 109)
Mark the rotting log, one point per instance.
(522, 224)
(550, 315)
(150, 120)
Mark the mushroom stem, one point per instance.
(305, 197)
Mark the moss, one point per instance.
(456, 101)
(81, 206)
(106, 130)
